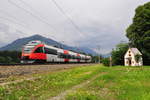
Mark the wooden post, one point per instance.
(110, 61)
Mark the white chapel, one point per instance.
(133, 57)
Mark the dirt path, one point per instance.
(62, 95)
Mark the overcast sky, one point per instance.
(100, 22)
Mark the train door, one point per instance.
(51, 54)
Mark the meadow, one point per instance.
(116, 83)
(103, 83)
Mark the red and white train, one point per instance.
(36, 51)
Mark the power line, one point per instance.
(4, 18)
(39, 14)
(69, 18)
(41, 17)
(14, 22)
(10, 15)
(25, 3)
(37, 17)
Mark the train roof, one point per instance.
(37, 42)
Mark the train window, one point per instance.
(69, 56)
(61, 55)
(86, 58)
(27, 51)
(78, 57)
(73, 57)
(50, 51)
(65, 56)
(39, 50)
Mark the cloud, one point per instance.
(101, 22)
(105, 38)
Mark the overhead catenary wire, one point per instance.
(69, 18)
(41, 17)
(4, 18)
(35, 16)
(11, 16)
(33, 9)
(56, 4)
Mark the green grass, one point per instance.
(116, 83)
(112, 83)
(50, 84)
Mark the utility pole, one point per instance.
(98, 50)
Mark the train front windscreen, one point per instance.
(28, 49)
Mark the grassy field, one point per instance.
(115, 83)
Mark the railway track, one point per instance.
(25, 64)
(7, 70)
(21, 64)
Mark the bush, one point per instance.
(105, 61)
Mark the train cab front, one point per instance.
(32, 52)
(26, 53)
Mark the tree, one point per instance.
(105, 61)
(118, 54)
(2, 60)
(10, 56)
(139, 31)
(8, 60)
(95, 59)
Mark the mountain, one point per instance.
(17, 44)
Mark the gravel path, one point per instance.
(6, 71)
